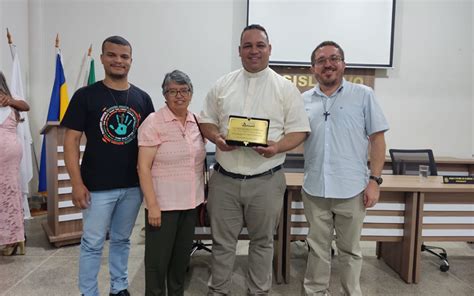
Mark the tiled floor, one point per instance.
(46, 270)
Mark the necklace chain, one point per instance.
(326, 111)
(115, 100)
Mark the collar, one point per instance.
(114, 89)
(262, 73)
(317, 90)
(169, 116)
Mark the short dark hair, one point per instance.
(326, 43)
(254, 27)
(177, 76)
(117, 40)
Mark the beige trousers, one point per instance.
(346, 217)
(232, 203)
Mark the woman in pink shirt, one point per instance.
(170, 166)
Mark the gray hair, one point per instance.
(178, 77)
(3, 85)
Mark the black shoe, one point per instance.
(121, 293)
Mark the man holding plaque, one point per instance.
(254, 116)
(345, 120)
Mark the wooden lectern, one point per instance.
(64, 224)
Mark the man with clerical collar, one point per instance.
(248, 186)
(105, 186)
(345, 121)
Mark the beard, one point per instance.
(328, 81)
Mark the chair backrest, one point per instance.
(407, 161)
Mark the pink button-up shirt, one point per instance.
(177, 170)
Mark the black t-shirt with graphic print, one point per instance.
(110, 122)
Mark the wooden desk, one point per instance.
(445, 213)
(409, 213)
(392, 223)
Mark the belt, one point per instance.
(218, 168)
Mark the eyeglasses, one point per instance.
(332, 59)
(175, 92)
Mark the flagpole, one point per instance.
(10, 43)
(85, 62)
(56, 44)
(89, 58)
(81, 70)
(57, 108)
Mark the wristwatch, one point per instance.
(379, 180)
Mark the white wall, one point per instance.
(196, 36)
(14, 16)
(164, 35)
(427, 97)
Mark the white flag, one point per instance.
(24, 133)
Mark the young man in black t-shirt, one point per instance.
(106, 185)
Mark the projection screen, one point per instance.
(363, 28)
